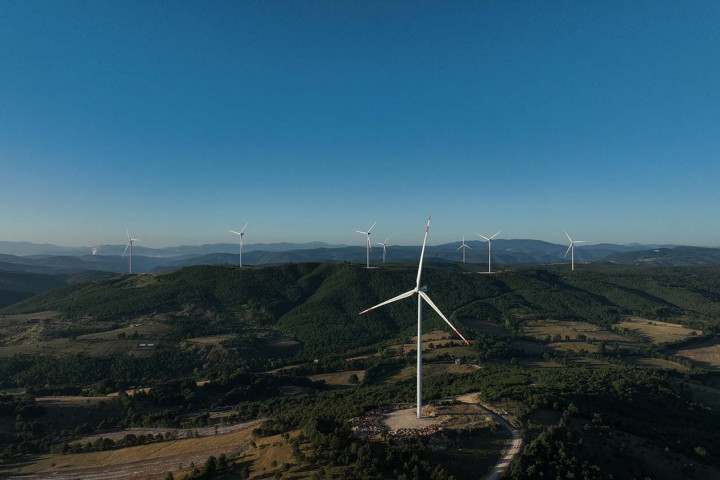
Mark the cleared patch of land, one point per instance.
(137, 462)
(532, 363)
(657, 363)
(658, 332)
(339, 378)
(577, 331)
(706, 354)
(431, 370)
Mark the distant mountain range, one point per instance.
(70, 260)
(29, 248)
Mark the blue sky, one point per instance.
(184, 119)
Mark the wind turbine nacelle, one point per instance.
(423, 289)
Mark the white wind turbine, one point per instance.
(489, 240)
(384, 245)
(241, 233)
(421, 292)
(463, 246)
(130, 242)
(368, 245)
(571, 249)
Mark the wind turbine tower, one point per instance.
(368, 245)
(384, 245)
(422, 294)
(241, 233)
(571, 249)
(463, 246)
(489, 241)
(129, 245)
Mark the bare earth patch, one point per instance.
(658, 332)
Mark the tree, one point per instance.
(210, 469)
(353, 378)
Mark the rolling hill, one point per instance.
(508, 252)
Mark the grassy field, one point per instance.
(706, 355)
(657, 363)
(431, 370)
(338, 378)
(658, 332)
(569, 331)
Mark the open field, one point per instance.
(147, 331)
(658, 332)
(486, 327)
(588, 362)
(338, 378)
(137, 462)
(71, 401)
(210, 340)
(431, 370)
(657, 363)
(532, 363)
(540, 330)
(575, 346)
(706, 354)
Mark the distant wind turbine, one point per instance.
(463, 246)
(130, 242)
(421, 292)
(95, 249)
(368, 246)
(489, 240)
(241, 233)
(571, 249)
(384, 245)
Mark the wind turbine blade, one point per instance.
(422, 254)
(461, 246)
(498, 233)
(243, 229)
(369, 229)
(127, 232)
(394, 299)
(483, 236)
(468, 246)
(358, 231)
(568, 250)
(579, 241)
(386, 240)
(568, 235)
(427, 299)
(125, 251)
(233, 231)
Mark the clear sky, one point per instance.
(184, 119)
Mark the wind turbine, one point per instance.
(241, 233)
(384, 245)
(421, 292)
(463, 246)
(368, 246)
(129, 245)
(489, 240)
(571, 249)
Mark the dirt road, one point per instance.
(509, 453)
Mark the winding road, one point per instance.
(516, 441)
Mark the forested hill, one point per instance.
(317, 304)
